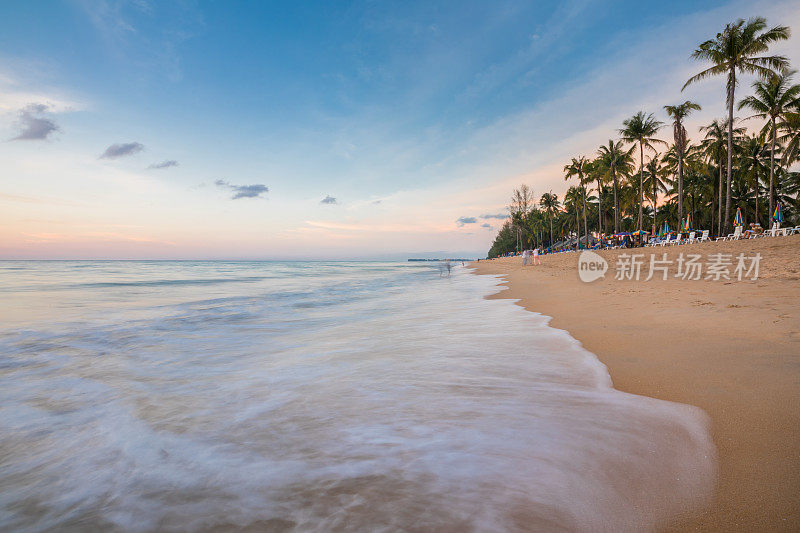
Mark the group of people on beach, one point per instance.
(532, 256)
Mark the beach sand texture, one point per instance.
(731, 348)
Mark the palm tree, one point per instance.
(594, 172)
(654, 184)
(572, 200)
(715, 144)
(735, 49)
(791, 136)
(773, 98)
(549, 202)
(698, 179)
(641, 128)
(678, 113)
(615, 160)
(752, 163)
(715, 147)
(577, 167)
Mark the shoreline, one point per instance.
(731, 348)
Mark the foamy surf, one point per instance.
(319, 396)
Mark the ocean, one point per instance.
(318, 396)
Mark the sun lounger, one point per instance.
(704, 236)
(732, 236)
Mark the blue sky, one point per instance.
(318, 129)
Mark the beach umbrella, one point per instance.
(688, 225)
(738, 221)
(778, 215)
(666, 228)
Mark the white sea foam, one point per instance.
(318, 396)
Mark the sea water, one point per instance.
(140, 396)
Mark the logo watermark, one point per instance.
(591, 266)
(691, 267)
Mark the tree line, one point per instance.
(639, 181)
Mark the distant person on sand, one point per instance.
(535, 259)
(525, 256)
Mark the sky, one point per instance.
(144, 129)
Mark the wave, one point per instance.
(355, 398)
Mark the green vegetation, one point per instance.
(750, 169)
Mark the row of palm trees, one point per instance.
(745, 169)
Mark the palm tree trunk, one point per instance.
(616, 214)
(755, 178)
(578, 226)
(731, 90)
(771, 173)
(713, 201)
(655, 206)
(719, 210)
(585, 223)
(551, 231)
(599, 208)
(680, 184)
(641, 183)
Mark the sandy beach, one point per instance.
(731, 348)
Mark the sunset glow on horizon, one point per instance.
(169, 130)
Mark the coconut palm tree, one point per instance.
(773, 98)
(653, 183)
(550, 204)
(790, 129)
(577, 167)
(615, 161)
(641, 128)
(678, 113)
(698, 180)
(753, 164)
(594, 172)
(735, 50)
(572, 201)
(715, 146)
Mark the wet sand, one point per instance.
(731, 348)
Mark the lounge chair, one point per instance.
(736, 235)
(676, 240)
(691, 237)
(773, 231)
(703, 236)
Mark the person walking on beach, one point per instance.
(525, 255)
(535, 259)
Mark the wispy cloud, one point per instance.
(466, 220)
(243, 191)
(33, 125)
(121, 150)
(487, 226)
(498, 216)
(164, 164)
(329, 200)
(125, 28)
